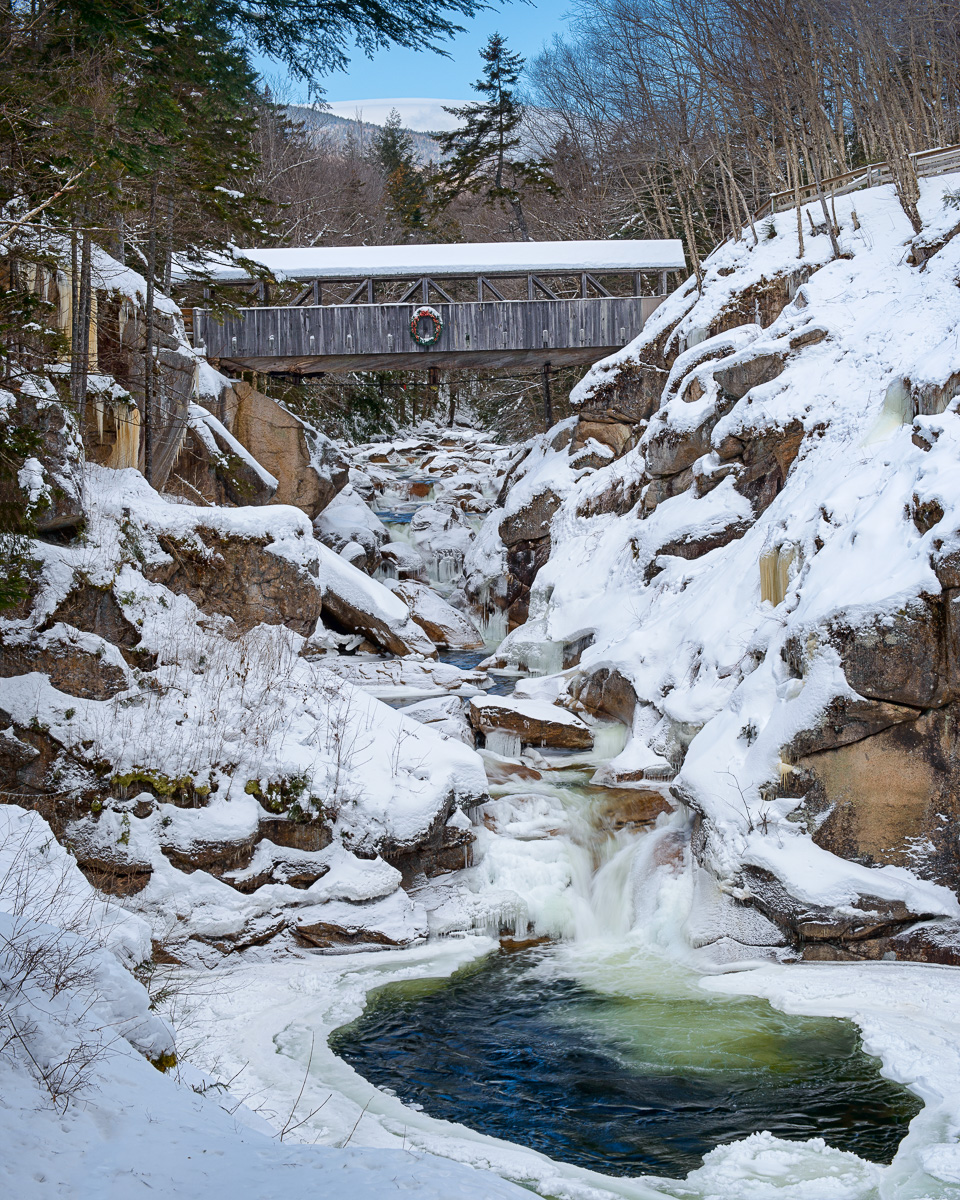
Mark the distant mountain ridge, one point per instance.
(342, 129)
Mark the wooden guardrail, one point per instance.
(938, 161)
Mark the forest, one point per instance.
(146, 129)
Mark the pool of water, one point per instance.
(466, 660)
(633, 1071)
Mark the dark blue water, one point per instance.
(620, 1084)
(466, 660)
(391, 517)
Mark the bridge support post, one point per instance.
(547, 402)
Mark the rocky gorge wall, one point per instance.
(744, 547)
(177, 692)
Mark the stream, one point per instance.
(581, 1037)
(556, 1028)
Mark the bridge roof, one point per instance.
(462, 258)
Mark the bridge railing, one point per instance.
(939, 161)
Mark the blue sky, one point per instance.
(393, 73)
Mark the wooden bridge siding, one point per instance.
(493, 327)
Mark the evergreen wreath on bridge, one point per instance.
(426, 326)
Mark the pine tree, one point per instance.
(405, 183)
(483, 155)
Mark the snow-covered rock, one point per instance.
(347, 519)
(442, 623)
(534, 722)
(760, 583)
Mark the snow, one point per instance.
(701, 647)
(417, 113)
(369, 596)
(108, 274)
(347, 519)
(118, 1123)
(228, 717)
(704, 651)
(908, 1017)
(530, 710)
(460, 258)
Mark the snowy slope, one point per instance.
(870, 499)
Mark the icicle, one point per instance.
(126, 451)
(65, 308)
(92, 360)
(493, 627)
(449, 567)
(775, 567)
(543, 658)
(609, 738)
(504, 743)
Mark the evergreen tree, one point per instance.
(483, 155)
(405, 183)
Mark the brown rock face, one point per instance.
(215, 857)
(239, 578)
(606, 693)
(295, 835)
(619, 808)
(668, 451)
(532, 522)
(632, 395)
(844, 721)
(95, 610)
(72, 669)
(442, 624)
(342, 614)
(899, 657)
(867, 917)
(694, 546)
(448, 850)
(325, 935)
(936, 942)
(618, 497)
(121, 349)
(743, 374)
(891, 798)
(768, 455)
(764, 301)
(209, 468)
(617, 435)
(531, 723)
(309, 468)
(53, 498)
(524, 560)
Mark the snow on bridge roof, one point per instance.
(464, 258)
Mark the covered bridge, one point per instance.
(489, 305)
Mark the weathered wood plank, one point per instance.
(508, 331)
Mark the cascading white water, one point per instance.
(609, 738)
(616, 903)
